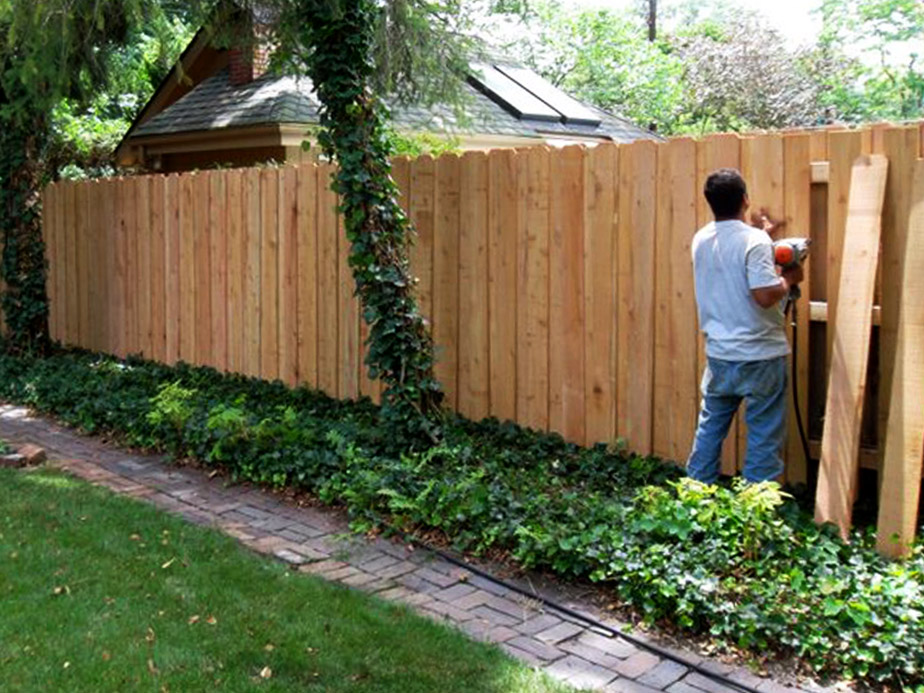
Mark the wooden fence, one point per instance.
(558, 282)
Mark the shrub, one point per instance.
(743, 564)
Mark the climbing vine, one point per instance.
(334, 42)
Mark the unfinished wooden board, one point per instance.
(172, 197)
(636, 281)
(446, 276)
(237, 269)
(843, 149)
(422, 196)
(287, 276)
(158, 269)
(502, 282)
(904, 434)
(218, 268)
(840, 443)
(253, 304)
(601, 167)
(566, 295)
(473, 287)
(328, 279)
(307, 303)
(269, 273)
(533, 287)
(900, 145)
(676, 400)
(712, 153)
(797, 190)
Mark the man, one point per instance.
(740, 297)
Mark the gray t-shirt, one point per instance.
(729, 259)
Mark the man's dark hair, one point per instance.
(725, 190)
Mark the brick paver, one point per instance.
(317, 541)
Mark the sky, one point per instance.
(793, 18)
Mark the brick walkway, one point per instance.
(317, 541)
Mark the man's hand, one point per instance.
(794, 275)
(765, 222)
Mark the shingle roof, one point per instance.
(216, 104)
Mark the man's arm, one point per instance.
(768, 296)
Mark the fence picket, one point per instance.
(307, 251)
(446, 276)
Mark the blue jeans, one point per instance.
(762, 384)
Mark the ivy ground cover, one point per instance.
(742, 564)
(103, 593)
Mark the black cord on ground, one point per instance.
(579, 617)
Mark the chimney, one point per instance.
(250, 58)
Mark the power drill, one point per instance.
(789, 253)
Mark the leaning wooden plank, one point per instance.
(635, 341)
(899, 496)
(600, 185)
(900, 145)
(797, 188)
(840, 442)
(473, 287)
(533, 287)
(566, 289)
(502, 282)
(446, 276)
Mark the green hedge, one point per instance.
(743, 564)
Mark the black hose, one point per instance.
(578, 616)
(795, 380)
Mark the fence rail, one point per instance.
(558, 282)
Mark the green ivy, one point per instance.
(744, 565)
(340, 38)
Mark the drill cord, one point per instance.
(791, 303)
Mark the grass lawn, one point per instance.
(104, 593)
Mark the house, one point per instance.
(219, 106)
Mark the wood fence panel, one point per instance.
(636, 248)
(533, 287)
(269, 265)
(187, 248)
(446, 276)
(61, 233)
(173, 192)
(143, 239)
(288, 276)
(235, 255)
(72, 327)
(843, 149)
(218, 268)
(158, 280)
(84, 261)
(502, 282)
(676, 361)
(904, 433)
(348, 326)
(421, 215)
(253, 244)
(51, 219)
(99, 288)
(600, 266)
(797, 193)
(566, 291)
(473, 287)
(840, 443)
(201, 286)
(120, 324)
(307, 250)
(712, 153)
(762, 167)
(900, 145)
(328, 279)
(129, 255)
